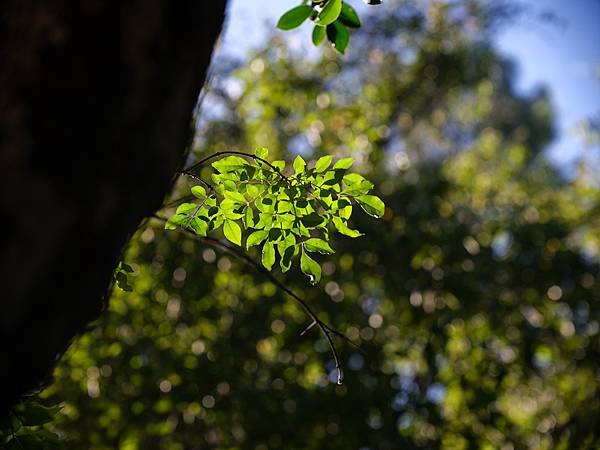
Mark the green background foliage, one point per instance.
(475, 299)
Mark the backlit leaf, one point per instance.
(268, 255)
(371, 204)
(323, 163)
(330, 12)
(318, 245)
(310, 267)
(232, 231)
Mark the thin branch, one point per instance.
(191, 169)
(325, 329)
(177, 201)
(308, 328)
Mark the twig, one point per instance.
(325, 329)
(191, 169)
(177, 201)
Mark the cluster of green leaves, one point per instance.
(286, 215)
(331, 18)
(24, 427)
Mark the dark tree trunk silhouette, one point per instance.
(96, 101)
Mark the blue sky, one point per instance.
(564, 57)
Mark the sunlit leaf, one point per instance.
(310, 267)
(232, 232)
(229, 163)
(198, 192)
(330, 12)
(186, 208)
(323, 163)
(344, 163)
(371, 204)
(317, 245)
(341, 226)
(268, 255)
(261, 152)
(256, 238)
(235, 197)
(299, 165)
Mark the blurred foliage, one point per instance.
(476, 299)
(26, 426)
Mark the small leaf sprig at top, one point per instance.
(289, 216)
(331, 19)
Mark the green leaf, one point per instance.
(284, 206)
(299, 164)
(279, 164)
(265, 220)
(311, 220)
(232, 232)
(348, 16)
(261, 152)
(286, 221)
(287, 249)
(318, 245)
(185, 208)
(330, 12)
(288, 241)
(344, 163)
(229, 164)
(256, 238)
(310, 267)
(228, 205)
(372, 205)
(266, 204)
(345, 212)
(268, 255)
(339, 36)
(318, 35)
(286, 258)
(301, 203)
(323, 163)
(341, 226)
(248, 217)
(198, 191)
(353, 178)
(255, 190)
(356, 184)
(236, 197)
(200, 227)
(294, 17)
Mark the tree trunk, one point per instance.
(96, 101)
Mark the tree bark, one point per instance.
(96, 102)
